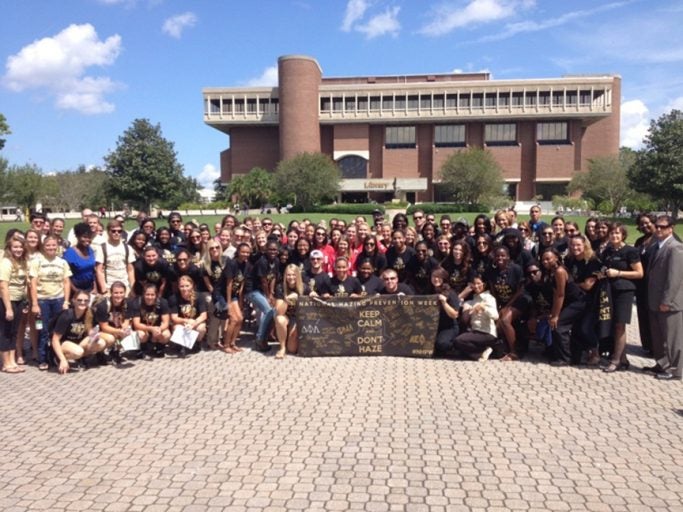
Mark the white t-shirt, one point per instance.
(116, 266)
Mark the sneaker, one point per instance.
(261, 345)
(115, 358)
(485, 354)
(159, 351)
(182, 352)
(101, 359)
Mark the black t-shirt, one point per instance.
(420, 274)
(177, 305)
(481, 263)
(580, 270)
(620, 259)
(114, 316)
(458, 275)
(152, 274)
(402, 288)
(541, 297)
(372, 286)
(445, 321)
(150, 315)
(69, 327)
(237, 271)
(399, 262)
(318, 283)
(265, 269)
(379, 261)
(344, 288)
(214, 274)
(174, 274)
(505, 283)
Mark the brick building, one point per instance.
(391, 134)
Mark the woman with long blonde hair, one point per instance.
(13, 290)
(286, 295)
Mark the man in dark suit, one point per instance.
(665, 301)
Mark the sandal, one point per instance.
(510, 357)
(13, 369)
(20, 361)
(43, 367)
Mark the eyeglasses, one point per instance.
(214, 248)
(390, 278)
(316, 259)
(416, 217)
(181, 259)
(662, 226)
(547, 234)
(82, 301)
(370, 244)
(266, 224)
(195, 237)
(115, 230)
(175, 221)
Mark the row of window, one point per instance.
(453, 135)
(242, 105)
(467, 100)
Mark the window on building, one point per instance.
(503, 134)
(399, 137)
(350, 104)
(504, 99)
(425, 102)
(387, 103)
(517, 99)
(400, 102)
(412, 102)
(552, 133)
(362, 103)
(239, 106)
(477, 100)
(464, 101)
(325, 104)
(585, 98)
(571, 98)
(451, 100)
(374, 103)
(438, 101)
(490, 100)
(530, 99)
(251, 105)
(353, 167)
(214, 107)
(449, 135)
(548, 190)
(558, 98)
(337, 104)
(544, 98)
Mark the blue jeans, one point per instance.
(261, 303)
(49, 310)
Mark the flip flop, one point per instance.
(43, 367)
(13, 369)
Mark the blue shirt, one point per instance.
(82, 269)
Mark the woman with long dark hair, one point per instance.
(622, 268)
(449, 305)
(370, 250)
(646, 245)
(458, 264)
(235, 275)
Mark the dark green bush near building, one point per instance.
(351, 208)
(446, 208)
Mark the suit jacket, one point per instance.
(665, 277)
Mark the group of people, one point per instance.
(500, 282)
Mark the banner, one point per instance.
(388, 325)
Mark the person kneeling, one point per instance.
(188, 314)
(480, 315)
(112, 315)
(72, 337)
(151, 320)
(286, 295)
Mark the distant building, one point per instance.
(391, 134)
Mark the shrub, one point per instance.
(446, 208)
(350, 208)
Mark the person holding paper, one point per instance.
(73, 337)
(113, 317)
(151, 320)
(188, 315)
(286, 295)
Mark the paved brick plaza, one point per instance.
(247, 432)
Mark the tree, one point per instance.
(144, 170)
(307, 179)
(221, 190)
(658, 169)
(25, 185)
(4, 130)
(605, 184)
(472, 176)
(256, 187)
(74, 190)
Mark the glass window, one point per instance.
(399, 137)
(449, 135)
(412, 102)
(552, 133)
(438, 101)
(500, 134)
(325, 104)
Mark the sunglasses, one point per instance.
(662, 226)
(115, 230)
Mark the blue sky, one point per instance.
(76, 73)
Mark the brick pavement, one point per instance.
(247, 432)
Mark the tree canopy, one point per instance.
(144, 170)
(472, 176)
(255, 188)
(658, 169)
(605, 185)
(4, 130)
(74, 190)
(307, 179)
(25, 184)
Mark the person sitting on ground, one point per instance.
(151, 321)
(189, 311)
(113, 317)
(286, 295)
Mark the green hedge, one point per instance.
(350, 208)
(446, 208)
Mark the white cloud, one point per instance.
(175, 25)
(448, 17)
(634, 123)
(269, 77)
(382, 24)
(208, 175)
(56, 66)
(535, 26)
(355, 9)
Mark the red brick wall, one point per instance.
(376, 163)
(400, 163)
(509, 158)
(602, 137)
(253, 147)
(351, 137)
(327, 140)
(555, 161)
(226, 172)
(526, 135)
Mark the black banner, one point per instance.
(389, 325)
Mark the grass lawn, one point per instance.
(316, 217)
